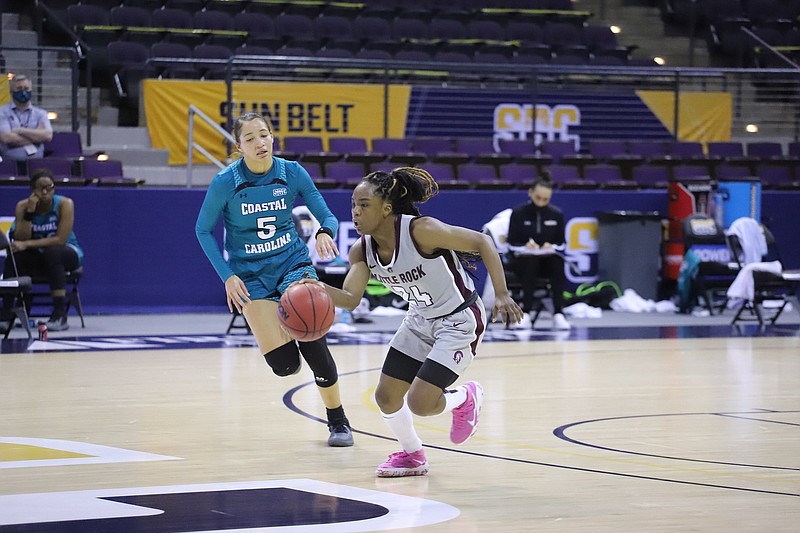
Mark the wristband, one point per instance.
(28, 216)
(324, 230)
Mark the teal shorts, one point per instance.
(266, 287)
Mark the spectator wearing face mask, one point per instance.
(24, 128)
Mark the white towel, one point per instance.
(497, 228)
(754, 244)
(743, 287)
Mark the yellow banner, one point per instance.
(296, 109)
(702, 117)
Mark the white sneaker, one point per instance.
(525, 323)
(560, 322)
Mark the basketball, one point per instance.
(306, 311)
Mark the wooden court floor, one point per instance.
(686, 433)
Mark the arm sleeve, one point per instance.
(314, 200)
(516, 230)
(560, 235)
(207, 219)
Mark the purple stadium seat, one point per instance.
(444, 175)
(410, 28)
(768, 151)
(602, 42)
(523, 151)
(690, 171)
(564, 152)
(130, 16)
(481, 150)
(10, 173)
(569, 177)
(310, 149)
(106, 173)
(447, 28)
(485, 30)
(182, 67)
(65, 144)
(686, 152)
(260, 29)
(62, 169)
(652, 151)
(398, 151)
(481, 176)
(439, 150)
(728, 171)
(354, 150)
(213, 53)
(522, 176)
(775, 176)
(297, 31)
(344, 173)
(651, 176)
(334, 30)
(607, 177)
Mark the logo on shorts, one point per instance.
(458, 356)
(280, 191)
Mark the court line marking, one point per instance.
(97, 453)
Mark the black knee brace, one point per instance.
(320, 360)
(284, 360)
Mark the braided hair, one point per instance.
(404, 188)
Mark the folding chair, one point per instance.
(768, 286)
(17, 288)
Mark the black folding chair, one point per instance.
(17, 289)
(768, 286)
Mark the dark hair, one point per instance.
(248, 117)
(544, 179)
(40, 173)
(403, 188)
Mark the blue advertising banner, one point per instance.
(577, 116)
(142, 254)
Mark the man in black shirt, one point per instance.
(535, 234)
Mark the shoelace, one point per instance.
(340, 428)
(461, 414)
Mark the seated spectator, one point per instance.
(44, 244)
(24, 128)
(535, 238)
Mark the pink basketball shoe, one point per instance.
(404, 464)
(465, 416)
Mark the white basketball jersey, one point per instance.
(435, 285)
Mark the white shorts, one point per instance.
(451, 341)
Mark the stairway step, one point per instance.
(118, 137)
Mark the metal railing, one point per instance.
(194, 111)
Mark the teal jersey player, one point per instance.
(254, 197)
(261, 241)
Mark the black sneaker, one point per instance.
(341, 436)
(57, 323)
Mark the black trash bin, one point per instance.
(629, 254)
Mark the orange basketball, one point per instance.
(306, 311)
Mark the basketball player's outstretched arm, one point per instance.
(432, 235)
(355, 282)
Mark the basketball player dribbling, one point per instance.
(422, 260)
(254, 196)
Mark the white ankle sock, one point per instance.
(402, 425)
(454, 398)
